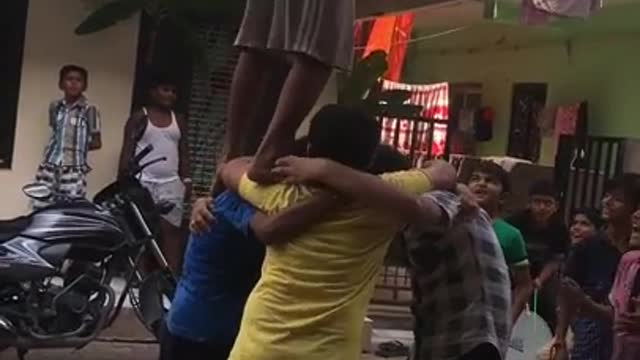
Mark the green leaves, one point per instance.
(361, 88)
(116, 11)
(364, 76)
(179, 13)
(109, 14)
(189, 34)
(225, 9)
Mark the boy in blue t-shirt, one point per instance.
(221, 266)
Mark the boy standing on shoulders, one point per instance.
(167, 181)
(75, 131)
(313, 293)
(490, 185)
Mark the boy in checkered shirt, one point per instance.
(75, 130)
(462, 296)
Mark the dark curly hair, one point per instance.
(494, 170)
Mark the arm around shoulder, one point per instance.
(395, 194)
(231, 173)
(442, 174)
(290, 222)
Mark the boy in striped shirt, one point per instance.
(75, 130)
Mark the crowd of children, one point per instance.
(283, 256)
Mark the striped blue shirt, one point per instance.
(73, 126)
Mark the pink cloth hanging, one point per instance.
(537, 12)
(567, 119)
(568, 8)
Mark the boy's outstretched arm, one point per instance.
(373, 191)
(294, 220)
(287, 223)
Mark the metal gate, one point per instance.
(418, 146)
(394, 282)
(583, 166)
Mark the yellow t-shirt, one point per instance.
(311, 300)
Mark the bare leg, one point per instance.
(250, 79)
(249, 82)
(172, 245)
(301, 90)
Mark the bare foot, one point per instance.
(265, 159)
(260, 171)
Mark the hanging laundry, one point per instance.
(547, 120)
(531, 15)
(537, 12)
(567, 8)
(466, 120)
(567, 119)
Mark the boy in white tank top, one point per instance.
(167, 181)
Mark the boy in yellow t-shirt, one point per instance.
(311, 299)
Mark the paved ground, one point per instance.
(114, 351)
(105, 351)
(95, 351)
(126, 329)
(110, 351)
(116, 344)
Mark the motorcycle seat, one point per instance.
(9, 229)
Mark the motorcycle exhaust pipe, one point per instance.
(9, 336)
(8, 333)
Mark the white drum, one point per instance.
(530, 333)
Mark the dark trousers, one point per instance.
(482, 352)
(176, 348)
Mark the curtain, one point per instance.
(434, 99)
(387, 33)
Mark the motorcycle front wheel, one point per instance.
(151, 299)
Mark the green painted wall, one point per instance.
(603, 71)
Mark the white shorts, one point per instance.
(171, 191)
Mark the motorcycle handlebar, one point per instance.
(151, 162)
(141, 155)
(135, 168)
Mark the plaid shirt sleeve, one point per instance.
(447, 201)
(53, 113)
(93, 119)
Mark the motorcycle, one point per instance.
(57, 265)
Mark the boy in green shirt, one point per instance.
(489, 182)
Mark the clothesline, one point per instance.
(423, 38)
